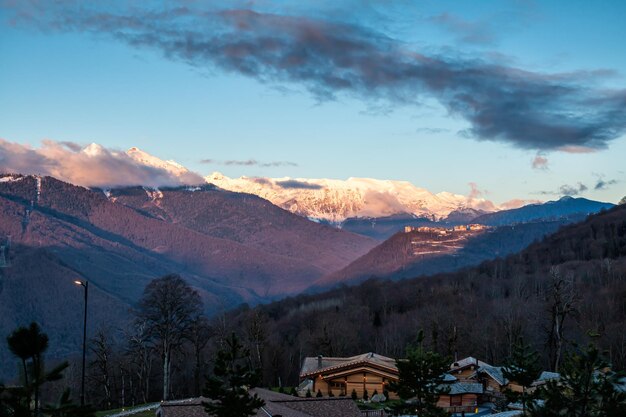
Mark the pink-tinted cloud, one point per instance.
(540, 162)
(576, 149)
(92, 166)
(517, 203)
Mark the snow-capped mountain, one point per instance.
(145, 158)
(337, 200)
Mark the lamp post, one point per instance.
(85, 285)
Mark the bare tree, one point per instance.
(562, 300)
(139, 353)
(200, 334)
(169, 307)
(101, 365)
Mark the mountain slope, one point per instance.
(433, 250)
(248, 220)
(564, 208)
(60, 232)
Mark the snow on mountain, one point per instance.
(145, 158)
(336, 200)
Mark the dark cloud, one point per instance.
(261, 181)
(72, 146)
(603, 184)
(250, 162)
(567, 190)
(502, 103)
(298, 184)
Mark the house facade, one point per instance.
(333, 376)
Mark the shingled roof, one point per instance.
(320, 364)
(276, 404)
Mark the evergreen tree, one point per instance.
(294, 391)
(308, 394)
(524, 369)
(365, 395)
(586, 388)
(421, 376)
(353, 394)
(319, 394)
(29, 345)
(229, 387)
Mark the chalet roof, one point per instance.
(449, 378)
(466, 362)
(311, 365)
(495, 372)
(546, 376)
(276, 404)
(459, 388)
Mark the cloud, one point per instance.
(517, 203)
(576, 149)
(573, 190)
(529, 110)
(377, 203)
(298, 184)
(250, 162)
(540, 162)
(431, 130)
(602, 184)
(479, 32)
(93, 166)
(475, 192)
(567, 190)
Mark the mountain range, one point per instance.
(233, 247)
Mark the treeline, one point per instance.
(551, 294)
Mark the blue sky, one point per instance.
(120, 84)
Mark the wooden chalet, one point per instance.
(465, 369)
(462, 396)
(340, 376)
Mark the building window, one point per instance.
(456, 400)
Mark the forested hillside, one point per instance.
(576, 276)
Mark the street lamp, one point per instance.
(84, 284)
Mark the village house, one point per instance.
(461, 396)
(340, 376)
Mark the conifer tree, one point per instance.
(524, 369)
(586, 388)
(229, 387)
(421, 376)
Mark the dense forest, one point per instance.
(551, 294)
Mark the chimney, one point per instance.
(319, 361)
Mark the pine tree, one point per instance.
(229, 387)
(353, 394)
(29, 344)
(365, 395)
(586, 388)
(421, 376)
(319, 394)
(524, 369)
